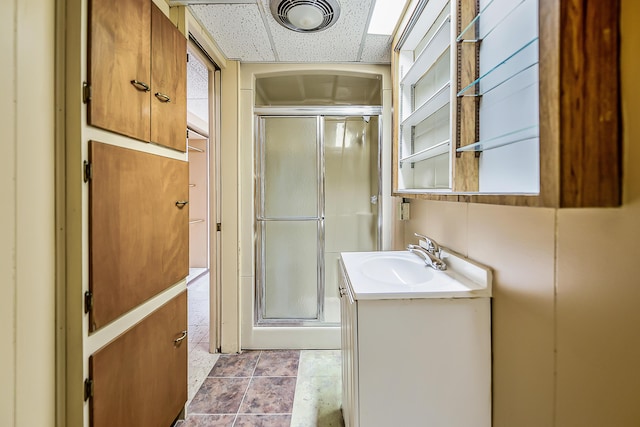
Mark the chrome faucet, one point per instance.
(432, 245)
(430, 259)
(430, 251)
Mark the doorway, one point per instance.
(203, 80)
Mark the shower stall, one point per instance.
(317, 194)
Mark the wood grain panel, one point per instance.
(590, 96)
(168, 77)
(466, 116)
(119, 46)
(549, 71)
(140, 378)
(139, 238)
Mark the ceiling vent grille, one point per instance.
(305, 16)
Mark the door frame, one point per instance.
(213, 203)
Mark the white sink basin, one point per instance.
(402, 274)
(396, 269)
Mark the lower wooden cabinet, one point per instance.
(140, 378)
(139, 228)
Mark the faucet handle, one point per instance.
(432, 245)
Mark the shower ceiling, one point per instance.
(246, 30)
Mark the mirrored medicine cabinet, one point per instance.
(508, 102)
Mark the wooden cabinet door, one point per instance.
(139, 235)
(119, 66)
(140, 378)
(168, 82)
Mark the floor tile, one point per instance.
(197, 333)
(263, 421)
(219, 396)
(209, 421)
(200, 364)
(318, 363)
(269, 395)
(235, 365)
(278, 363)
(317, 402)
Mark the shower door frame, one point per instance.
(303, 112)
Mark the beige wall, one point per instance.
(566, 325)
(27, 251)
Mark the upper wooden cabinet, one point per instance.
(139, 228)
(119, 66)
(168, 82)
(137, 72)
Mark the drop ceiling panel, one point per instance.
(246, 30)
(377, 49)
(238, 29)
(197, 88)
(339, 43)
(197, 78)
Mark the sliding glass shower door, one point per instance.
(317, 195)
(290, 219)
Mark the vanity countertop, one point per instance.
(403, 275)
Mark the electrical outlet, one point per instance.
(404, 211)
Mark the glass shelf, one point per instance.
(438, 44)
(431, 105)
(427, 153)
(498, 66)
(524, 134)
(469, 34)
(511, 77)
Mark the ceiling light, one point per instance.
(305, 16)
(385, 16)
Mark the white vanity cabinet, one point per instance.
(414, 361)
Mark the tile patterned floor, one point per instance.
(296, 388)
(200, 360)
(276, 388)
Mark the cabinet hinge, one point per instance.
(88, 301)
(86, 92)
(88, 389)
(88, 171)
(218, 226)
(187, 57)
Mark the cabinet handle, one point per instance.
(180, 338)
(162, 97)
(140, 85)
(181, 203)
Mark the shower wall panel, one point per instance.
(351, 180)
